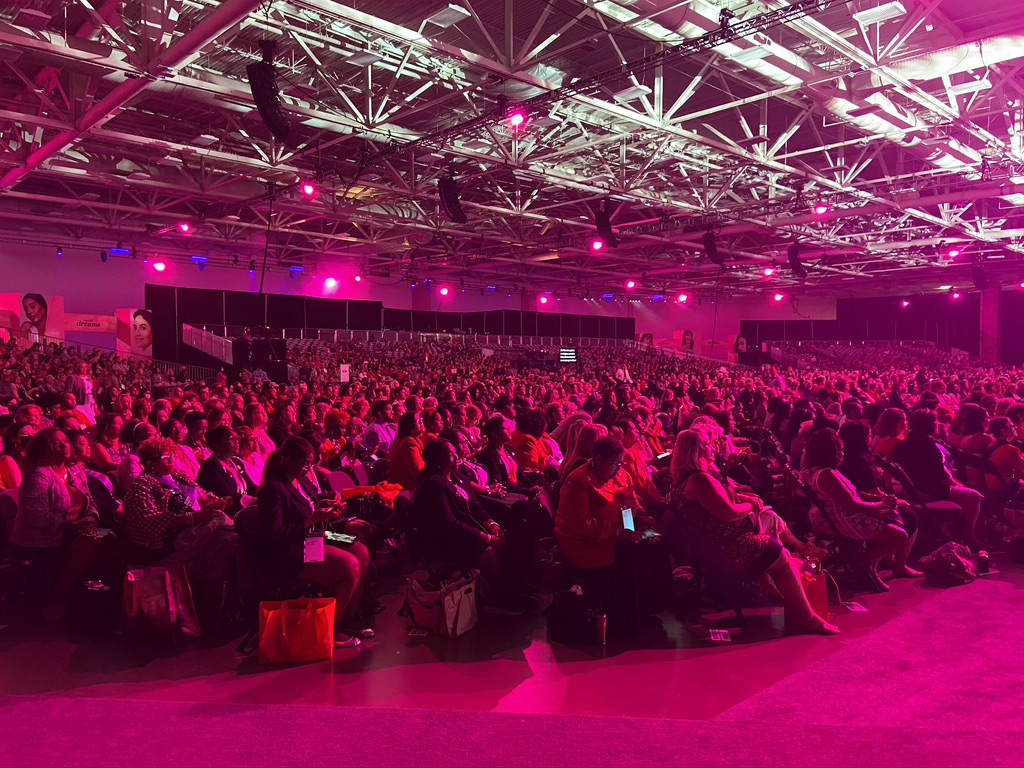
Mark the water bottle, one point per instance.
(601, 623)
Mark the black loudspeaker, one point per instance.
(711, 248)
(603, 220)
(263, 84)
(278, 372)
(794, 261)
(979, 276)
(449, 192)
(241, 352)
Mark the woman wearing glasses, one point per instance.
(171, 520)
(612, 560)
(287, 511)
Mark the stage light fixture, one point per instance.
(330, 283)
(905, 303)
(184, 227)
(200, 261)
(682, 298)
(159, 266)
(265, 93)
(822, 208)
(799, 270)
(631, 284)
(711, 248)
(953, 252)
(104, 256)
(444, 291)
(778, 297)
(293, 271)
(769, 271)
(956, 295)
(448, 191)
(308, 189)
(60, 252)
(359, 278)
(596, 244)
(518, 118)
(543, 299)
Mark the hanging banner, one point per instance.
(35, 314)
(90, 323)
(135, 331)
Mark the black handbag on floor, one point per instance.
(577, 619)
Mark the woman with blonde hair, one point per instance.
(729, 532)
(570, 426)
(581, 450)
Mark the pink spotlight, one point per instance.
(159, 266)
(444, 291)
(906, 303)
(631, 284)
(778, 297)
(1022, 284)
(184, 227)
(956, 295)
(954, 252)
(331, 283)
(308, 188)
(769, 271)
(596, 244)
(359, 279)
(543, 299)
(682, 298)
(517, 119)
(822, 208)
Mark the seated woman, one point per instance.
(56, 516)
(581, 448)
(131, 467)
(1004, 455)
(286, 512)
(107, 451)
(533, 452)
(171, 521)
(249, 456)
(100, 486)
(405, 461)
(890, 429)
(730, 531)
(16, 441)
(590, 531)
(876, 522)
(452, 533)
(495, 458)
(222, 475)
(921, 459)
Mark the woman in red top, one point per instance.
(612, 561)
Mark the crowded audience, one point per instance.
(742, 471)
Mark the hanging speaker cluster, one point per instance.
(263, 85)
(603, 221)
(799, 270)
(450, 204)
(711, 248)
(979, 276)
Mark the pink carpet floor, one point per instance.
(927, 677)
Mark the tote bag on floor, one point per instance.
(158, 604)
(297, 631)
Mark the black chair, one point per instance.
(930, 513)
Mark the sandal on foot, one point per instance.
(346, 641)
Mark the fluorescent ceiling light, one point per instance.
(750, 55)
(971, 86)
(880, 13)
(449, 16)
(364, 58)
(945, 287)
(635, 92)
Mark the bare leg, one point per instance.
(340, 572)
(890, 540)
(787, 581)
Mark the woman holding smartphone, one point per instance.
(287, 513)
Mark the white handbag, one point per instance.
(448, 611)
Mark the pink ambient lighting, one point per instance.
(184, 227)
(330, 282)
(956, 295)
(906, 303)
(954, 252)
(769, 271)
(359, 279)
(631, 284)
(517, 119)
(444, 291)
(821, 209)
(682, 298)
(778, 297)
(596, 244)
(543, 299)
(308, 189)
(159, 266)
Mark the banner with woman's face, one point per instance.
(37, 315)
(135, 331)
